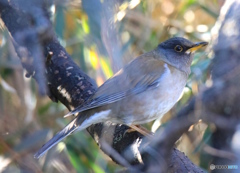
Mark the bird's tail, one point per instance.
(79, 123)
(70, 128)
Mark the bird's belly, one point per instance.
(154, 106)
(151, 104)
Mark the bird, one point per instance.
(143, 90)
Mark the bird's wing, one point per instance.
(142, 74)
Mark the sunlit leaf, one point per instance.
(106, 67)
(93, 57)
(85, 25)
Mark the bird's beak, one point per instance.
(197, 46)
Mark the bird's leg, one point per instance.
(141, 130)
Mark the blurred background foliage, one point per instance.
(101, 36)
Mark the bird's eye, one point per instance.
(178, 48)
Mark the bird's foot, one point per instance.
(141, 130)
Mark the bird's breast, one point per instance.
(154, 103)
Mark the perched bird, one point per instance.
(144, 90)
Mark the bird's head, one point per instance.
(178, 52)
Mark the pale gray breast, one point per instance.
(173, 83)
